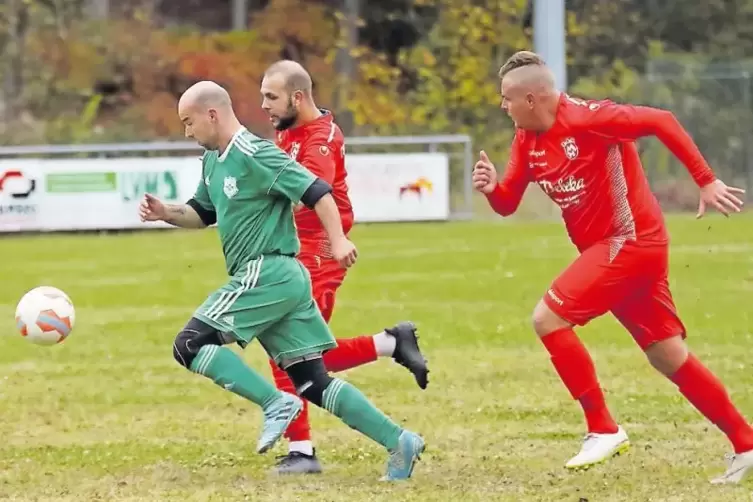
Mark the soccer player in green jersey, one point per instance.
(249, 188)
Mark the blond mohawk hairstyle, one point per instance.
(519, 60)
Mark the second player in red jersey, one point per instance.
(582, 154)
(319, 145)
(310, 136)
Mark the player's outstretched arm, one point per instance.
(627, 122)
(179, 215)
(183, 215)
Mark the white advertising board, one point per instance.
(95, 194)
(399, 187)
(89, 194)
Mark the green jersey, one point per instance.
(252, 187)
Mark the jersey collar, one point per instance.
(558, 118)
(324, 119)
(240, 131)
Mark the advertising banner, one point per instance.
(101, 194)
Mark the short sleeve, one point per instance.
(201, 195)
(281, 174)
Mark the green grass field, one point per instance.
(110, 416)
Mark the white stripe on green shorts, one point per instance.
(227, 298)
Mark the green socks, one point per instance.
(352, 407)
(229, 371)
(340, 398)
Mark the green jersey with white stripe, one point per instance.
(252, 187)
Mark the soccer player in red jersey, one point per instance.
(310, 136)
(583, 156)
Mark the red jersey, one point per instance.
(320, 147)
(588, 164)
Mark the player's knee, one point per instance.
(191, 339)
(667, 356)
(545, 321)
(310, 379)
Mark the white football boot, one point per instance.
(598, 448)
(739, 466)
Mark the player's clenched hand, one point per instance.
(722, 197)
(344, 252)
(152, 209)
(484, 174)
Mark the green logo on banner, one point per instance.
(163, 184)
(80, 182)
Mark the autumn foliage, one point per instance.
(422, 67)
(119, 79)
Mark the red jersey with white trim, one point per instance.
(588, 164)
(319, 146)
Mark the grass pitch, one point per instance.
(108, 415)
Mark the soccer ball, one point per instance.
(45, 315)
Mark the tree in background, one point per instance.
(423, 66)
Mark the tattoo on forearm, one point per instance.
(174, 213)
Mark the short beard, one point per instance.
(290, 118)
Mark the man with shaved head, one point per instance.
(583, 156)
(248, 187)
(309, 135)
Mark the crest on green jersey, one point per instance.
(230, 187)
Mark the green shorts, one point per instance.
(270, 299)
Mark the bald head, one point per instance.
(204, 95)
(207, 115)
(292, 75)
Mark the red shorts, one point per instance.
(326, 277)
(628, 280)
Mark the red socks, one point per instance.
(349, 353)
(708, 395)
(699, 386)
(576, 370)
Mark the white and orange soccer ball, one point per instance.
(45, 315)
